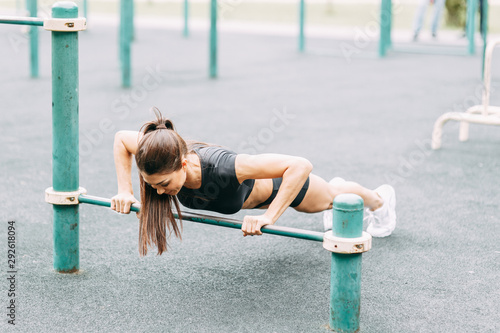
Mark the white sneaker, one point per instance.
(382, 222)
(328, 214)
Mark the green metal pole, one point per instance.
(385, 27)
(301, 25)
(120, 35)
(484, 30)
(33, 12)
(213, 38)
(389, 26)
(345, 292)
(126, 28)
(85, 6)
(65, 170)
(381, 40)
(186, 18)
(21, 20)
(132, 17)
(471, 25)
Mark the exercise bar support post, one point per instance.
(347, 242)
(385, 41)
(65, 154)
(34, 22)
(484, 32)
(385, 27)
(85, 6)
(302, 9)
(213, 39)
(126, 35)
(471, 25)
(186, 18)
(33, 11)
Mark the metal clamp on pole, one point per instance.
(63, 198)
(347, 245)
(65, 24)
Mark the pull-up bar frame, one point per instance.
(346, 241)
(218, 221)
(22, 20)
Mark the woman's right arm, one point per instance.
(124, 147)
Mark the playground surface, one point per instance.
(364, 119)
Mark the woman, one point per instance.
(203, 176)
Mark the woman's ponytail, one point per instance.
(158, 124)
(160, 151)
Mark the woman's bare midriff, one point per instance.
(262, 190)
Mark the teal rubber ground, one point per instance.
(367, 120)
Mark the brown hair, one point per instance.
(161, 150)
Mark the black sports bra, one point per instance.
(220, 190)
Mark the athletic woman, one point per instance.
(208, 177)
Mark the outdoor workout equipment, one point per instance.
(126, 31)
(346, 241)
(34, 22)
(385, 42)
(32, 9)
(484, 114)
(218, 221)
(384, 46)
(185, 31)
(126, 34)
(64, 25)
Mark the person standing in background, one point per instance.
(420, 14)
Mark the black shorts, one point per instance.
(276, 186)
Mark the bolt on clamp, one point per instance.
(347, 245)
(65, 24)
(63, 198)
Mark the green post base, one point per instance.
(345, 292)
(66, 239)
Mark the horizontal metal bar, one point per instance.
(218, 221)
(453, 50)
(21, 20)
(98, 201)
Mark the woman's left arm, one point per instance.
(294, 171)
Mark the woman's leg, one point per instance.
(320, 195)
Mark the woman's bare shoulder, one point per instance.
(129, 139)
